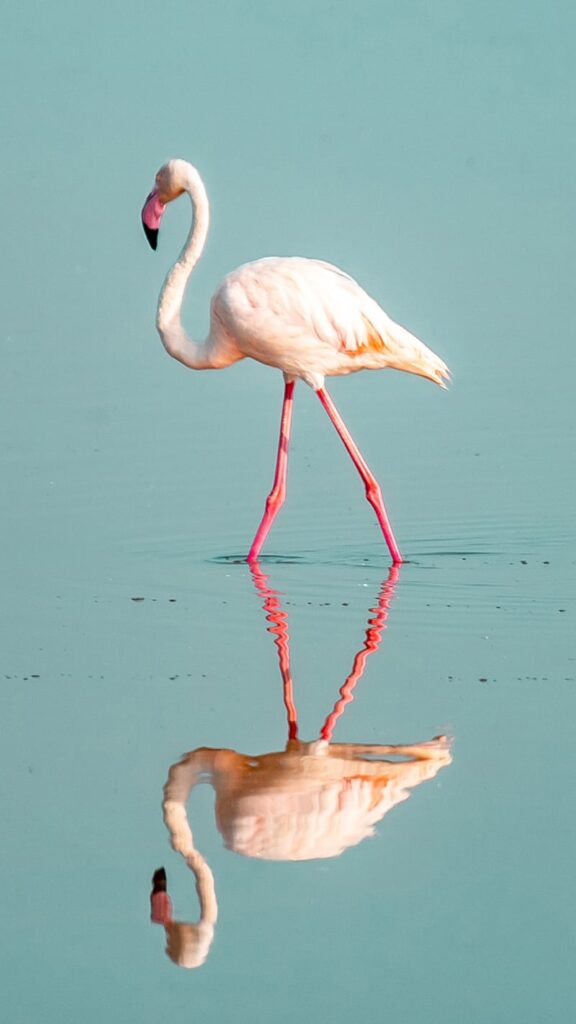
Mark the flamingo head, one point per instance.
(170, 183)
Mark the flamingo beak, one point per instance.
(151, 216)
(160, 902)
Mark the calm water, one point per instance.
(428, 149)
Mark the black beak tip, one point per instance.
(159, 880)
(151, 235)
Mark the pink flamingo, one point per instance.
(305, 317)
(311, 800)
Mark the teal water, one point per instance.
(428, 150)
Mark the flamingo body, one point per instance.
(311, 800)
(302, 316)
(311, 320)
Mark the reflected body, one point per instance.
(305, 317)
(311, 800)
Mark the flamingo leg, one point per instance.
(279, 628)
(373, 492)
(277, 495)
(376, 626)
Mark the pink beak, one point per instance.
(160, 902)
(151, 216)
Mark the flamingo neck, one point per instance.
(182, 778)
(204, 887)
(194, 354)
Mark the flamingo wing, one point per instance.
(295, 295)
(310, 318)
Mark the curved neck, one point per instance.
(168, 321)
(182, 778)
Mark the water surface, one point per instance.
(429, 152)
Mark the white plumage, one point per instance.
(311, 320)
(305, 317)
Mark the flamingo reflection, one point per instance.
(310, 800)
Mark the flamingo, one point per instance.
(305, 317)
(311, 800)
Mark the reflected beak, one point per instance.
(160, 902)
(152, 212)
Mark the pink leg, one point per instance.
(376, 626)
(279, 630)
(275, 499)
(373, 492)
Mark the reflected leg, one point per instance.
(376, 626)
(279, 630)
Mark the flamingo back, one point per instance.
(312, 320)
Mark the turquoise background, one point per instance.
(428, 149)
